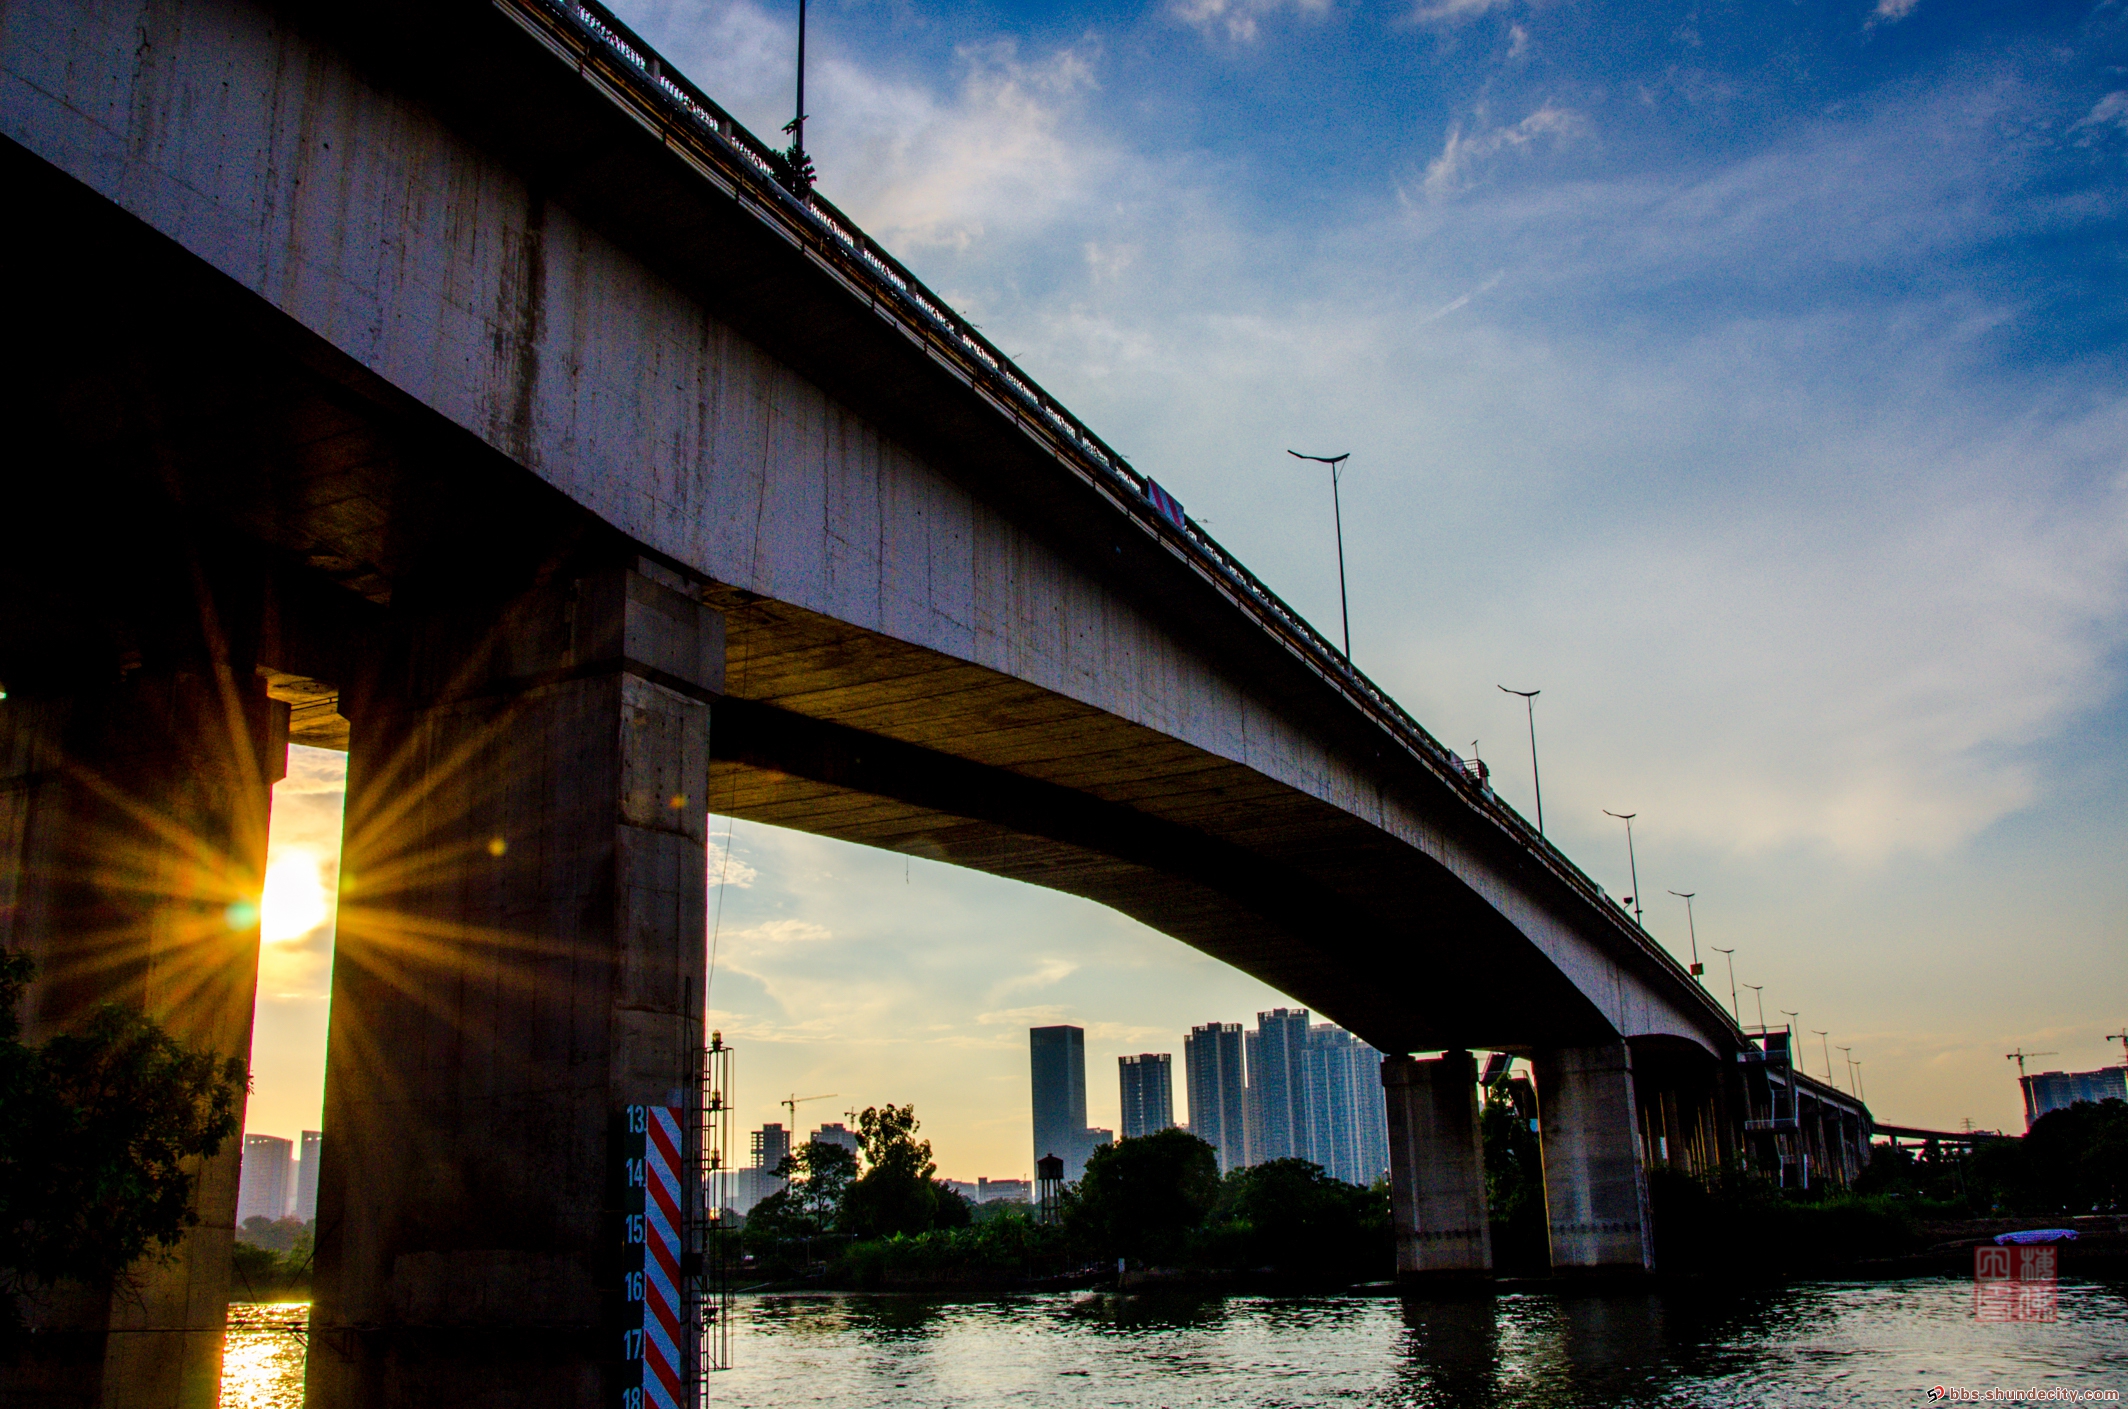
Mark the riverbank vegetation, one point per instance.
(1157, 1209)
(101, 1133)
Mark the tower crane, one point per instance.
(2021, 1055)
(791, 1104)
(2122, 1038)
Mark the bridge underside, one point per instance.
(174, 422)
(222, 534)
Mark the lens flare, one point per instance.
(294, 902)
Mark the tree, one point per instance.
(1289, 1215)
(100, 1131)
(897, 1193)
(1141, 1198)
(817, 1177)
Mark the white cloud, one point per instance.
(1439, 11)
(2109, 111)
(1450, 172)
(782, 932)
(1047, 973)
(1238, 18)
(726, 868)
(1892, 11)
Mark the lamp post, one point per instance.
(1337, 514)
(1529, 698)
(1730, 955)
(1691, 928)
(1847, 1054)
(1823, 1037)
(1633, 899)
(1758, 992)
(801, 167)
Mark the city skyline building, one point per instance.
(1147, 1088)
(769, 1146)
(836, 1134)
(263, 1178)
(1215, 1080)
(1277, 1055)
(2046, 1091)
(313, 1145)
(1347, 1110)
(1057, 1075)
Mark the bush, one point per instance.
(97, 1130)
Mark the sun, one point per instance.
(294, 902)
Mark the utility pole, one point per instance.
(1730, 955)
(1633, 899)
(1691, 929)
(1337, 514)
(1529, 698)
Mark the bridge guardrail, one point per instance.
(642, 75)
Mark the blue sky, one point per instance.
(1748, 377)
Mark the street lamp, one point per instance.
(1730, 955)
(1529, 698)
(1337, 514)
(1633, 899)
(1847, 1054)
(1758, 992)
(1691, 928)
(799, 175)
(1822, 1039)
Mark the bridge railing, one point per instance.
(604, 47)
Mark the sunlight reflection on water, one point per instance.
(262, 1356)
(1815, 1344)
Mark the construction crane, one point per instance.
(2122, 1038)
(2021, 1055)
(791, 1104)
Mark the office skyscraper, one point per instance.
(1278, 1085)
(262, 1178)
(1058, 1066)
(1148, 1084)
(1214, 1076)
(307, 1176)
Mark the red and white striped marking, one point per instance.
(665, 1218)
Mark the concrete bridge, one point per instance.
(452, 384)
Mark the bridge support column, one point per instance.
(133, 806)
(1595, 1189)
(520, 956)
(1437, 1168)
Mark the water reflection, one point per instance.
(262, 1356)
(1817, 1344)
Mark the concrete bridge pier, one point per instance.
(136, 769)
(1595, 1188)
(1437, 1168)
(520, 957)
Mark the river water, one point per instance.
(1823, 1343)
